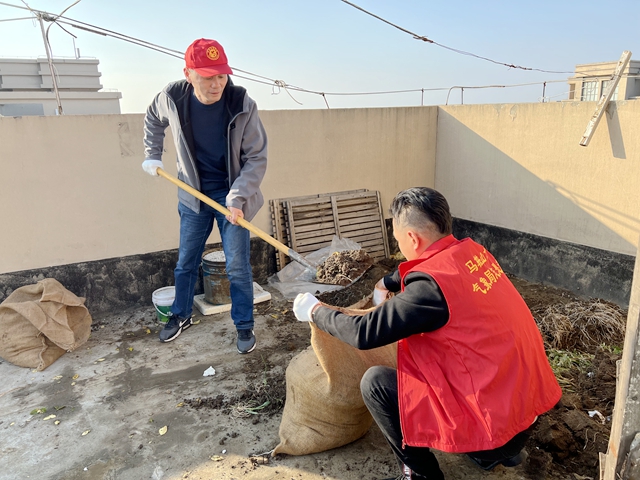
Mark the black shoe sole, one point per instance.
(186, 325)
(248, 351)
(509, 462)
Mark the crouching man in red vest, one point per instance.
(472, 372)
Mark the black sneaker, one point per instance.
(489, 465)
(407, 474)
(173, 328)
(246, 340)
(403, 476)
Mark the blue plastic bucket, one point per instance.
(214, 278)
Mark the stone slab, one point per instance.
(206, 308)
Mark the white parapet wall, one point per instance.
(74, 191)
(520, 166)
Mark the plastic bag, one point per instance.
(295, 278)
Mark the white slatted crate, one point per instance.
(309, 223)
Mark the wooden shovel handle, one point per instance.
(241, 221)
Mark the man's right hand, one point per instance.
(380, 292)
(304, 305)
(151, 166)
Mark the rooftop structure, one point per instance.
(26, 87)
(591, 79)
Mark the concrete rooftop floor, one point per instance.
(123, 386)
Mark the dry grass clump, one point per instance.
(581, 325)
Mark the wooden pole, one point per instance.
(241, 221)
(626, 411)
(603, 103)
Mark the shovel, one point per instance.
(241, 221)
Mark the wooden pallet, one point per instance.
(279, 222)
(309, 223)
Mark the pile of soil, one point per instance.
(264, 394)
(566, 441)
(343, 268)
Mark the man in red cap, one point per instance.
(222, 152)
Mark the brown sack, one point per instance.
(39, 323)
(324, 408)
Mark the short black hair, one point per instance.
(422, 208)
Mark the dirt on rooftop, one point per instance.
(113, 397)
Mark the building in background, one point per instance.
(26, 87)
(591, 79)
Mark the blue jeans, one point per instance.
(195, 228)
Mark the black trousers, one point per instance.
(379, 387)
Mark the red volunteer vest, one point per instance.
(483, 377)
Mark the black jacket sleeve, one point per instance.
(393, 281)
(420, 308)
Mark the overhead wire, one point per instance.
(274, 83)
(595, 72)
(462, 52)
(279, 84)
(558, 95)
(135, 41)
(175, 53)
(476, 87)
(416, 36)
(14, 19)
(53, 22)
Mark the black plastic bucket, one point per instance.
(214, 278)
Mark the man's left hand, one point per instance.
(380, 292)
(235, 214)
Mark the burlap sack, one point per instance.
(324, 408)
(39, 323)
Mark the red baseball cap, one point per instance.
(207, 58)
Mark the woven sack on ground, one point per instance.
(324, 407)
(40, 322)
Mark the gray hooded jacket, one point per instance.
(247, 144)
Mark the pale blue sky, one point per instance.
(327, 45)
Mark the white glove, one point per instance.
(303, 306)
(379, 293)
(151, 166)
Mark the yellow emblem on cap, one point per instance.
(213, 53)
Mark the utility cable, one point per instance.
(163, 49)
(16, 6)
(274, 83)
(476, 87)
(177, 54)
(462, 52)
(279, 84)
(14, 19)
(47, 46)
(53, 21)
